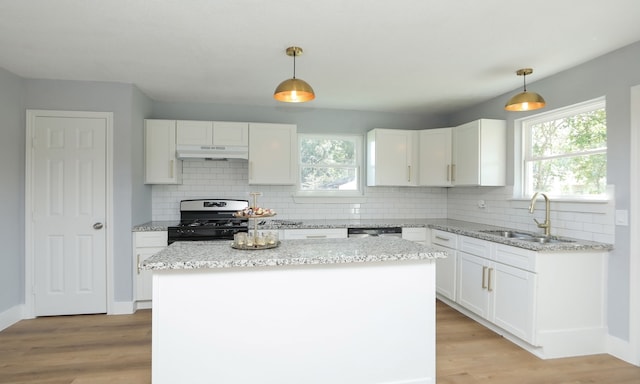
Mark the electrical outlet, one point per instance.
(622, 217)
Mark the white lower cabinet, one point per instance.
(553, 301)
(419, 235)
(446, 268)
(145, 245)
(499, 293)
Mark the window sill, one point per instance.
(570, 200)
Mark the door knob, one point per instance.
(97, 226)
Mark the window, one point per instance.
(565, 152)
(330, 165)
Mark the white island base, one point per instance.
(371, 322)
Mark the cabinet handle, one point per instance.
(409, 175)
(484, 280)
(448, 172)
(453, 172)
(490, 286)
(250, 170)
(316, 236)
(171, 166)
(138, 263)
(442, 238)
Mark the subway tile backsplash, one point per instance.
(228, 179)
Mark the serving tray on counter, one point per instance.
(254, 247)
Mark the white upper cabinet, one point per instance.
(435, 157)
(208, 133)
(273, 150)
(392, 157)
(479, 153)
(161, 165)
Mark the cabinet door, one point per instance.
(513, 295)
(230, 133)
(160, 164)
(390, 157)
(144, 285)
(466, 154)
(480, 153)
(435, 157)
(194, 132)
(473, 276)
(446, 273)
(273, 154)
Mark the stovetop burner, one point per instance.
(208, 220)
(214, 223)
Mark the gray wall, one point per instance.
(141, 193)
(127, 105)
(612, 76)
(12, 149)
(307, 119)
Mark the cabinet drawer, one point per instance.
(328, 233)
(414, 234)
(151, 239)
(474, 246)
(516, 257)
(445, 239)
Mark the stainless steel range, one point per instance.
(208, 219)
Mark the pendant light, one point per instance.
(525, 101)
(294, 90)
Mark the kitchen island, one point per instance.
(309, 311)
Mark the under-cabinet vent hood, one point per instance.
(212, 152)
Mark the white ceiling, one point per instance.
(420, 56)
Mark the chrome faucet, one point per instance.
(547, 223)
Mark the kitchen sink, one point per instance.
(523, 236)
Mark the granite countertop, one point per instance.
(219, 254)
(455, 226)
(477, 230)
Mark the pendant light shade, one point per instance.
(294, 90)
(525, 101)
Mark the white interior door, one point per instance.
(68, 202)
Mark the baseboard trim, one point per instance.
(622, 349)
(121, 308)
(146, 304)
(555, 344)
(11, 316)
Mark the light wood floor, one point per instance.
(97, 349)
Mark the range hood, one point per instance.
(212, 152)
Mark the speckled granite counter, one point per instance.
(219, 254)
(455, 226)
(154, 226)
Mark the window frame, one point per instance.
(522, 136)
(359, 159)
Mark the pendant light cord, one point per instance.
(294, 63)
(524, 76)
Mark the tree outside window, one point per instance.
(329, 163)
(565, 152)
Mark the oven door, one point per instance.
(201, 234)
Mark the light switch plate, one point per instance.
(622, 217)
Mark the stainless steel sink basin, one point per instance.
(523, 236)
(547, 240)
(509, 234)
